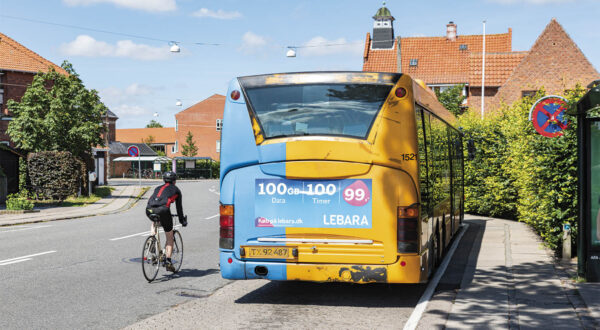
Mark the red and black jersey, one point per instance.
(165, 195)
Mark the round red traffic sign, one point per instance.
(548, 116)
(133, 151)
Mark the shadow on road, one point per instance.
(194, 272)
(335, 294)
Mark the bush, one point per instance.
(520, 174)
(19, 201)
(54, 174)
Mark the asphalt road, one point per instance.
(85, 273)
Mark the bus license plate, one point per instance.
(268, 252)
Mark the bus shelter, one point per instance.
(194, 167)
(588, 145)
(149, 165)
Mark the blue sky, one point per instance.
(138, 77)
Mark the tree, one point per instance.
(154, 124)
(148, 140)
(452, 99)
(189, 149)
(57, 113)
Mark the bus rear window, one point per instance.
(333, 109)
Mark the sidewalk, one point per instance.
(511, 281)
(121, 199)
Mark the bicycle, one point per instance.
(154, 255)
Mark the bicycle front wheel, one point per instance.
(177, 256)
(150, 258)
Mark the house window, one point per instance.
(174, 148)
(176, 125)
(463, 47)
(528, 93)
(1, 96)
(413, 62)
(218, 146)
(219, 124)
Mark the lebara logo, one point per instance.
(262, 222)
(357, 194)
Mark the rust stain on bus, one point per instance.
(365, 273)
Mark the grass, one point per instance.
(73, 201)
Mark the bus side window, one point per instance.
(440, 164)
(421, 118)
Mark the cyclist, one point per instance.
(160, 203)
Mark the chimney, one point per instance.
(451, 31)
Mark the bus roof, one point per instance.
(319, 77)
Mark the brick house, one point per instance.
(554, 62)
(18, 66)
(204, 120)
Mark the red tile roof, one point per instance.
(380, 60)
(440, 61)
(16, 57)
(136, 135)
(498, 67)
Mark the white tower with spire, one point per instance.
(383, 29)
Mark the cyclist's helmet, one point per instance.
(169, 176)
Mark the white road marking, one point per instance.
(14, 262)
(145, 233)
(212, 216)
(214, 191)
(23, 258)
(414, 318)
(24, 228)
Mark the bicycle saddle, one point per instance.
(154, 217)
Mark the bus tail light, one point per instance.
(408, 228)
(226, 222)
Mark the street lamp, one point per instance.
(178, 103)
(174, 47)
(291, 52)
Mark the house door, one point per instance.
(100, 171)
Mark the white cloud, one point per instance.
(116, 96)
(535, 2)
(146, 5)
(319, 46)
(252, 43)
(219, 14)
(85, 45)
(126, 110)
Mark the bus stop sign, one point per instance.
(548, 116)
(133, 151)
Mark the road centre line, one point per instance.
(414, 318)
(145, 233)
(212, 216)
(25, 228)
(2, 262)
(14, 262)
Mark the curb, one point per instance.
(132, 201)
(2, 212)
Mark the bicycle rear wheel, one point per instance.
(150, 258)
(177, 256)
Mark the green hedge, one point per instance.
(519, 174)
(54, 174)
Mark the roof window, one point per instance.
(413, 62)
(463, 47)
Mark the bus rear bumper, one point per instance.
(406, 270)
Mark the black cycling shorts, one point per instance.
(166, 219)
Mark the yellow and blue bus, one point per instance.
(337, 176)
